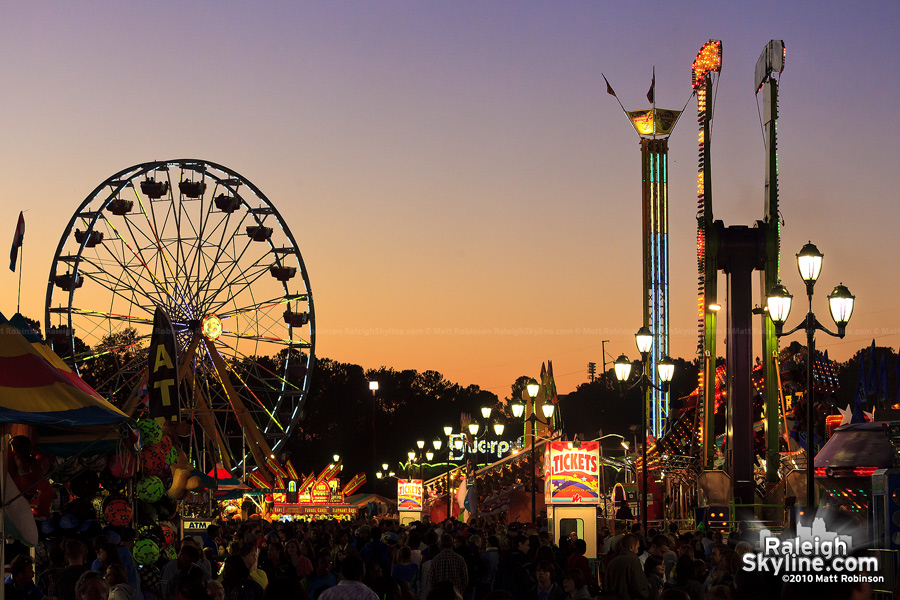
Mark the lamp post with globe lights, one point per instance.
(373, 387)
(666, 370)
(778, 305)
(547, 409)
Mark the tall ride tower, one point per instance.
(654, 126)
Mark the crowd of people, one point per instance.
(372, 559)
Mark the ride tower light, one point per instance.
(653, 126)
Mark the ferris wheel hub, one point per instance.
(212, 327)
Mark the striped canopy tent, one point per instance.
(37, 389)
(364, 499)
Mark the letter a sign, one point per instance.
(162, 365)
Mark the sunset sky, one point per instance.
(465, 194)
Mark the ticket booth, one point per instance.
(409, 500)
(572, 491)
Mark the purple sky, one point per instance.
(455, 173)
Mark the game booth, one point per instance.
(314, 497)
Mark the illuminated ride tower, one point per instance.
(654, 125)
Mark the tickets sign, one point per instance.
(409, 494)
(572, 473)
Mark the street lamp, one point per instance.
(547, 408)
(666, 369)
(420, 444)
(486, 412)
(840, 303)
(373, 387)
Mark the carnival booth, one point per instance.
(572, 491)
(83, 466)
(314, 497)
(409, 500)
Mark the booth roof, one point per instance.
(38, 389)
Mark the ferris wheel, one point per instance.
(206, 245)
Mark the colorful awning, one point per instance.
(37, 388)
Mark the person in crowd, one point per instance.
(180, 568)
(236, 580)
(512, 571)
(121, 554)
(654, 571)
(320, 579)
(684, 578)
(376, 550)
(107, 554)
(377, 580)
(659, 546)
(577, 560)
(91, 586)
(48, 578)
(546, 553)
(625, 573)
(406, 569)
(351, 586)
(490, 558)
(19, 584)
(425, 576)
(211, 561)
(545, 587)
(215, 590)
(448, 565)
(75, 568)
(284, 588)
(118, 583)
(277, 563)
(249, 553)
(574, 585)
(297, 558)
(472, 556)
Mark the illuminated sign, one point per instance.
(409, 494)
(315, 510)
(321, 493)
(498, 448)
(572, 473)
(646, 125)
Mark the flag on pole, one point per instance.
(860, 397)
(882, 381)
(18, 238)
(872, 373)
(609, 89)
(651, 93)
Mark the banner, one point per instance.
(572, 473)
(409, 494)
(162, 379)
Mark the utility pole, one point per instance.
(603, 346)
(592, 370)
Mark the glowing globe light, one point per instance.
(212, 327)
